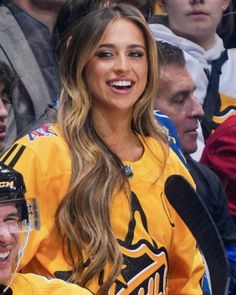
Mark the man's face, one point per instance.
(176, 100)
(9, 240)
(3, 116)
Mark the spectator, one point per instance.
(28, 45)
(192, 26)
(220, 155)
(16, 221)
(176, 99)
(7, 83)
(102, 169)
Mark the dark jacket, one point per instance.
(212, 193)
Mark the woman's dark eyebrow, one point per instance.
(109, 45)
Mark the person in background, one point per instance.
(7, 82)
(17, 219)
(219, 155)
(28, 44)
(192, 26)
(176, 100)
(101, 170)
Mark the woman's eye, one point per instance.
(136, 53)
(104, 54)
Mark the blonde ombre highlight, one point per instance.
(83, 217)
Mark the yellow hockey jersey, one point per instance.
(31, 284)
(160, 253)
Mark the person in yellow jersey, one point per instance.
(17, 218)
(99, 173)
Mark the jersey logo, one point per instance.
(43, 131)
(227, 109)
(7, 184)
(145, 266)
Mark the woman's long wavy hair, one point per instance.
(83, 218)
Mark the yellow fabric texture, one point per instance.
(31, 284)
(159, 251)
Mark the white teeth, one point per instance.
(121, 83)
(4, 255)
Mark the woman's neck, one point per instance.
(117, 133)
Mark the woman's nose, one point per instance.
(121, 64)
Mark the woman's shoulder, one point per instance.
(161, 150)
(165, 155)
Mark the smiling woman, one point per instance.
(119, 68)
(108, 162)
